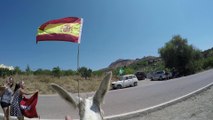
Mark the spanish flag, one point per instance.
(28, 106)
(64, 29)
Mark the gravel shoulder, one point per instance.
(198, 107)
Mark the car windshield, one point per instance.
(123, 78)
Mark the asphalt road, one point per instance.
(146, 94)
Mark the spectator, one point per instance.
(19, 92)
(7, 97)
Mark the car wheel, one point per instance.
(135, 83)
(119, 86)
(114, 88)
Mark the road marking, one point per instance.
(159, 106)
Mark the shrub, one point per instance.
(208, 63)
(56, 72)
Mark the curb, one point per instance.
(141, 112)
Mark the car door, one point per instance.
(126, 82)
(130, 80)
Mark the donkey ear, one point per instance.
(103, 88)
(71, 99)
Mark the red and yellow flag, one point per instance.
(28, 106)
(64, 29)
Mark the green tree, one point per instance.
(128, 70)
(178, 55)
(98, 73)
(28, 70)
(68, 72)
(123, 71)
(17, 70)
(6, 72)
(3, 72)
(84, 72)
(56, 72)
(42, 72)
(38, 71)
(208, 63)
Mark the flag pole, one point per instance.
(78, 66)
(78, 69)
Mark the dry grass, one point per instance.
(70, 83)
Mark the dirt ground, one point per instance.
(199, 107)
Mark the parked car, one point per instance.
(125, 81)
(140, 75)
(159, 75)
(168, 75)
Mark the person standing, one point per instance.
(19, 93)
(6, 97)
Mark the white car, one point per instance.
(125, 81)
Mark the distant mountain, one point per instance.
(120, 63)
(127, 62)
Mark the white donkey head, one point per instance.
(89, 108)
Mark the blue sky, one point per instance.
(113, 29)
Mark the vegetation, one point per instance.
(70, 83)
(84, 72)
(41, 79)
(148, 66)
(176, 56)
(56, 72)
(208, 62)
(180, 56)
(5, 72)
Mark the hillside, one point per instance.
(149, 59)
(208, 53)
(128, 62)
(120, 63)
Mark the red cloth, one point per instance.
(28, 106)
